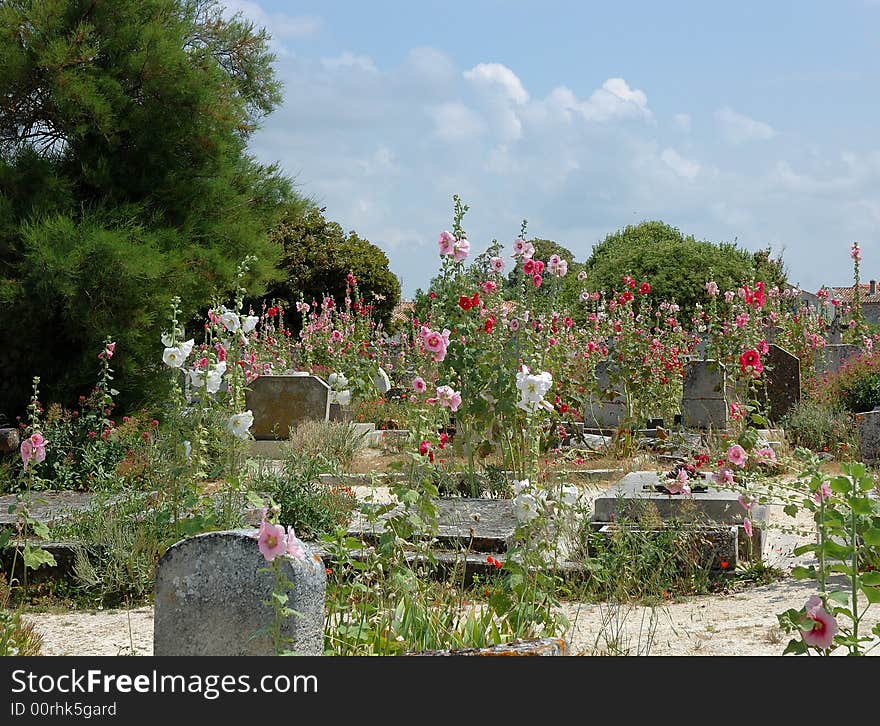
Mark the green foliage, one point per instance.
(677, 266)
(311, 507)
(16, 636)
(819, 427)
(124, 179)
(318, 256)
(338, 442)
(855, 387)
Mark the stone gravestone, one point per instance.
(602, 412)
(704, 402)
(831, 358)
(209, 598)
(281, 402)
(868, 426)
(783, 382)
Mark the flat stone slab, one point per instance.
(45, 506)
(628, 497)
(535, 647)
(481, 525)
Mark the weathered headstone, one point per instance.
(9, 440)
(831, 358)
(833, 335)
(605, 412)
(281, 402)
(210, 595)
(783, 388)
(704, 401)
(637, 494)
(868, 426)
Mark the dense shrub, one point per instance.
(855, 387)
(819, 427)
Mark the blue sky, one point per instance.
(753, 122)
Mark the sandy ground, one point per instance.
(740, 623)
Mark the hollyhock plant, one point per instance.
(272, 540)
(239, 424)
(820, 626)
(737, 456)
(461, 249)
(295, 546)
(496, 264)
(419, 385)
(750, 363)
(823, 492)
(33, 448)
(446, 243)
(448, 397)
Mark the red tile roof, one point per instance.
(845, 294)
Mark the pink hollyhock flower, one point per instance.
(537, 280)
(436, 344)
(729, 295)
(447, 243)
(825, 627)
(539, 267)
(33, 449)
(514, 325)
(724, 477)
(712, 288)
(461, 249)
(747, 526)
(496, 264)
(553, 262)
(767, 454)
(822, 493)
(529, 267)
(294, 545)
(271, 540)
(519, 247)
(419, 385)
(448, 397)
(336, 336)
(424, 447)
(679, 485)
(562, 268)
(742, 320)
(746, 501)
(737, 456)
(582, 275)
(489, 286)
(528, 251)
(855, 252)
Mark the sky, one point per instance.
(748, 122)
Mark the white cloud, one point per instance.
(683, 167)
(350, 60)
(281, 26)
(498, 75)
(682, 122)
(738, 128)
(455, 122)
(615, 100)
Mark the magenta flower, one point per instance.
(746, 501)
(737, 456)
(447, 243)
(537, 280)
(766, 454)
(855, 252)
(33, 448)
(825, 627)
(419, 385)
(679, 485)
(336, 336)
(271, 540)
(724, 477)
(529, 267)
(747, 526)
(822, 493)
(461, 249)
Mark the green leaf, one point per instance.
(871, 578)
(872, 594)
(803, 573)
(795, 647)
(803, 549)
(839, 596)
(41, 529)
(837, 551)
(35, 557)
(860, 505)
(841, 484)
(790, 509)
(872, 537)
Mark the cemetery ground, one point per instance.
(737, 618)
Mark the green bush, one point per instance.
(819, 427)
(855, 387)
(16, 636)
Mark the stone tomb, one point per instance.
(210, 594)
(783, 382)
(281, 402)
(716, 508)
(868, 428)
(704, 400)
(605, 413)
(831, 358)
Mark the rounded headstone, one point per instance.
(210, 598)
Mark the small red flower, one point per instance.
(645, 288)
(750, 362)
(475, 300)
(464, 302)
(490, 322)
(724, 564)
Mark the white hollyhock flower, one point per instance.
(337, 381)
(173, 357)
(248, 323)
(187, 449)
(186, 348)
(520, 486)
(215, 377)
(239, 424)
(381, 381)
(525, 508)
(196, 377)
(230, 320)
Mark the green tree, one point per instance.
(318, 256)
(124, 180)
(677, 266)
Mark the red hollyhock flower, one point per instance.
(464, 302)
(750, 362)
(645, 288)
(475, 300)
(490, 322)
